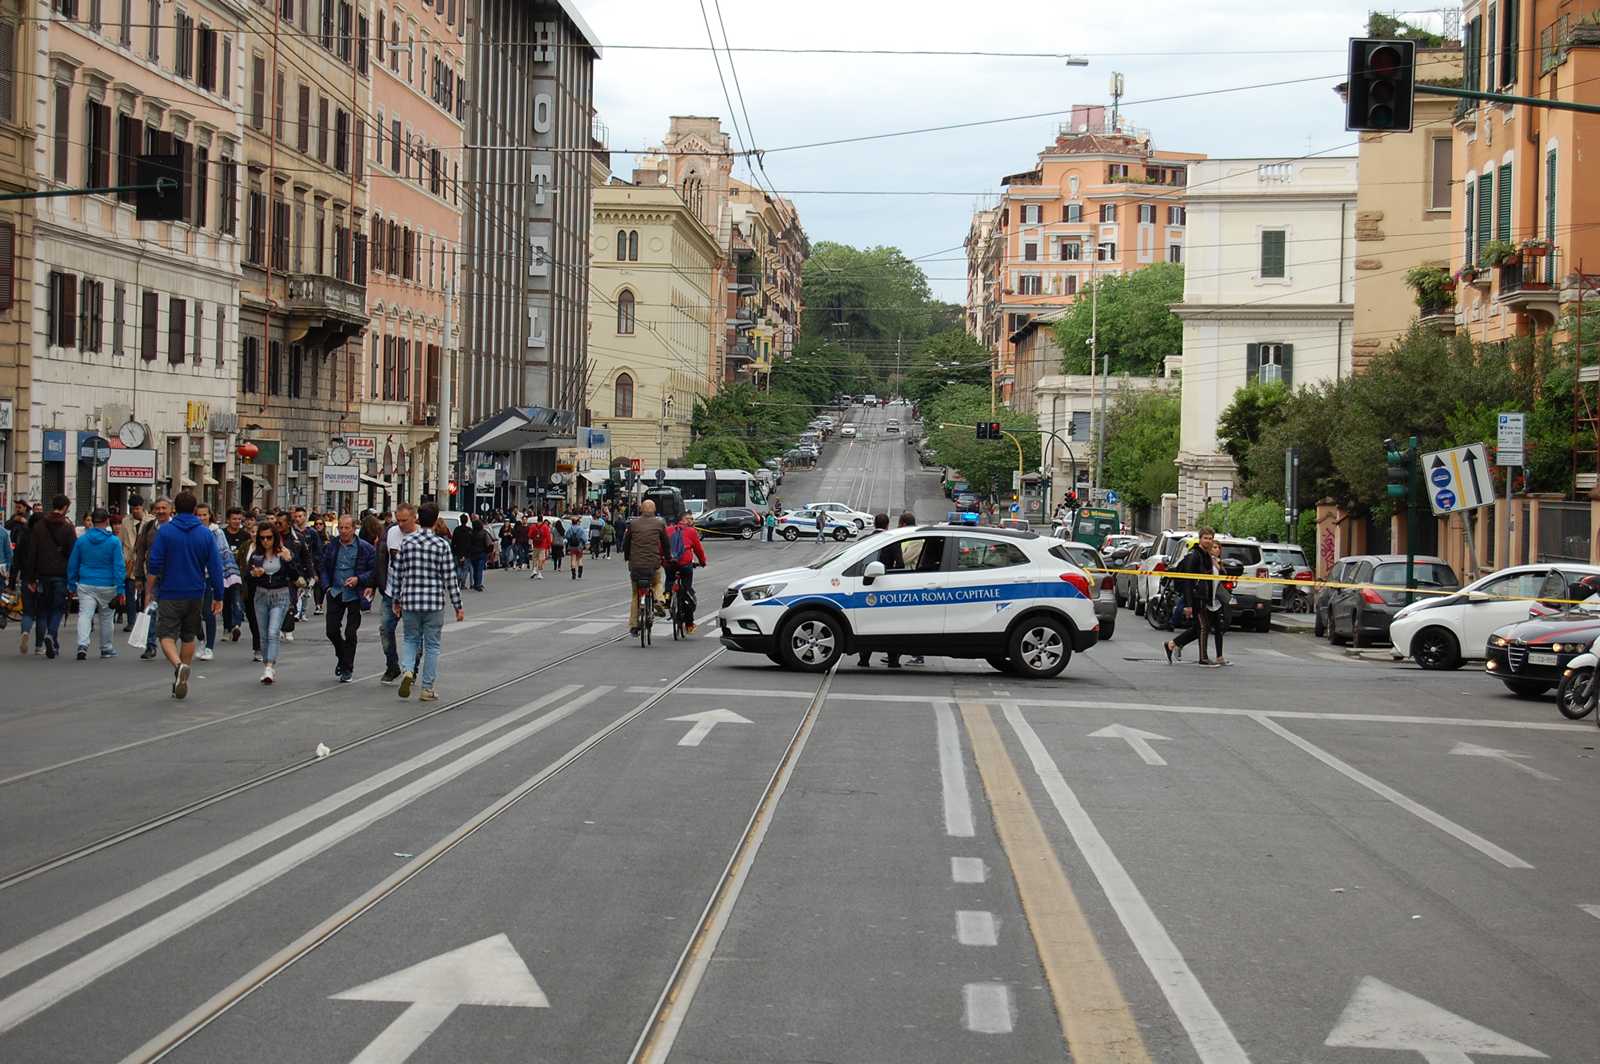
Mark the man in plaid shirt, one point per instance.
(420, 575)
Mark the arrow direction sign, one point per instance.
(1134, 737)
(489, 972)
(1471, 458)
(1507, 756)
(1458, 478)
(704, 722)
(1382, 1017)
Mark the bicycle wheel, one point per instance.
(647, 615)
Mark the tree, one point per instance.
(720, 452)
(1250, 518)
(1137, 328)
(1239, 427)
(949, 357)
(1142, 446)
(987, 465)
(865, 294)
(762, 422)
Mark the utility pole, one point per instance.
(447, 373)
(1094, 354)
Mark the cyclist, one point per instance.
(686, 551)
(644, 548)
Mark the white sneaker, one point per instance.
(267, 675)
(538, 576)
(205, 654)
(287, 637)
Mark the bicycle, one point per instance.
(645, 595)
(1158, 611)
(675, 610)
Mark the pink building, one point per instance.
(417, 112)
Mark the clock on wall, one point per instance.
(131, 434)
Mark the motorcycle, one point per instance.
(1577, 693)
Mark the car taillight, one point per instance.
(1304, 574)
(1261, 570)
(1371, 597)
(1159, 567)
(1079, 581)
(1108, 583)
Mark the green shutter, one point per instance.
(1485, 211)
(1511, 53)
(1503, 219)
(1252, 362)
(1287, 374)
(1469, 250)
(1488, 52)
(1272, 253)
(1550, 214)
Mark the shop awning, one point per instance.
(521, 428)
(185, 482)
(208, 481)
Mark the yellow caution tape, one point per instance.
(1319, 585)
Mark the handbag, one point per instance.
(140, 636)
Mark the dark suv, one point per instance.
(1363, 614)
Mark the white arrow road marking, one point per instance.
(1506, 756)
(489, 972)
(1592, 910)
(1382, 1017)
(704, 722)
(1136, 738)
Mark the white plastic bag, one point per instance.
(141, 628)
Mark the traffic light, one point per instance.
(1379, 94)
(1399, 469)
(164, 190)
(1071, 500)
(990, 430)
(983, 430)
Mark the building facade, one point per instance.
(134, 325)
(1069, 406)
(1403, 212)
(983, 249)
(306, 75)
(1100, 200)
(1267, 295)
(653, 267)
(526, 215)
(770, 250)
(17, 97)
(419, 100)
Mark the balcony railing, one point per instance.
(741, 352)
(1531, 282)
(311, 293)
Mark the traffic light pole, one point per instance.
(1507, 98)
(163, 184)
(1411, 517)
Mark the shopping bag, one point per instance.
(141, 628)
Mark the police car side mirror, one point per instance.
(872, 572)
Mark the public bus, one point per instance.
(704, 489)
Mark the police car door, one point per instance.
(988, 583)
(907, 601)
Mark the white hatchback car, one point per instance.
(848, 432)
(1441, 632)
(1013, 598)
(838, 511)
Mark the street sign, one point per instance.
(1509, 445)
(1111, 496)
(1458, 479)
(483, 478)
(1016, 480)
(133, 465)
(96, 449)
(362, 448)
(636, 465)
(1227, 494)
(341, 478)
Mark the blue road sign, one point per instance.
(1111, 496)
(1227, 494)
(1440, 477)
(1446, 499)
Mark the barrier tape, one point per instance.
(1318, 585)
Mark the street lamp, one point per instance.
(1077, 61)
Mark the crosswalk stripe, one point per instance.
(591, 628)
(521, 627)
(462, 626)
(1268, 652)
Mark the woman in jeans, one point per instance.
(271, 575)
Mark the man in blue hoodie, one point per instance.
(183, 561)
(96, 571)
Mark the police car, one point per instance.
(1012, 598)
(797, 523)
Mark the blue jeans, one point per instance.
(423, 631)
(271, 604)
(386, 627)
(52, 604)
(210, 620)
(479, 564)
(232, 607)
(463, 571)
(93, 600)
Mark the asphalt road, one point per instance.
(1302, 858)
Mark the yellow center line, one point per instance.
(1095, 1018)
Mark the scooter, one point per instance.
(1577, 693)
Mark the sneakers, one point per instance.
(26, 635)
(206, 654)
(688, 629)
(234, 633)
(538, 576)
(287, 637)
(149, 652)
(109, 652)
(407, 678)
(345, 677)
(427, 695)
(83, 653)
(389, 676)
(49, 647)
(255, 655)
(180, 682)
(268, 675)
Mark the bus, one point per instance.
(1092, 524)
(732, 487)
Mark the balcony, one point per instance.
(741, 352)
(1529, 284)
(315, 294)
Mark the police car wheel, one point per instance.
(791, 534)
(1039, 648)
(811, 641)
(840, 534)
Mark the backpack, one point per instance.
(574, 536)
(675, 542)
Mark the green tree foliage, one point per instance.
(986, 464)
(1137, 328)
(1390, 28)
(949, 357)
(864, 294)
(1239, 427)
(1142, 445)
(761, 423)
(721, 452)
(1251, 518)
(819, 369)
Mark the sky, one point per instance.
(1162, 48)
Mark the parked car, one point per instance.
(966, 500)
(739, 521)
(797, 523)
(848, 432)
(1443, 632)
(1164, 554)
(1363, 614)
(1529, 656)
(1090, 560)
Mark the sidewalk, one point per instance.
(1298, 623)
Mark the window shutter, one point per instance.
(67, 328)
(227, 67)
(1488, 50)
(1287, 376)
(8, 71)
(1469, 254)
(1503, 221)
(1550, 214)
(1510, 54)
(176, 323)
(1485, 211)
(149, 321)
(1252, 362)
(8, 264)
(63, 128)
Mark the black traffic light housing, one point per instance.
(1399, 462)
(1382, 85)
(990, 430)
(164, 186)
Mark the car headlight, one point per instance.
(1499, 641)
(760, 591)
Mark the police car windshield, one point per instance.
(827, 559)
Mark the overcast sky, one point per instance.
(798, 98)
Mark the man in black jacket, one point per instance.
(49, 548)
(1195, 596)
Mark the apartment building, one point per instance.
(653, 267)
(770, 249)
(983, 249)
(1266, 296)
(16, 247)
(526, 214)
(1522, 208)
(1100, 200)
(134, 325)
(306, 71)
(418, 109)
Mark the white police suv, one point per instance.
(1013, 598)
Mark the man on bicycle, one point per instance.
(645, 549)
(686, 551)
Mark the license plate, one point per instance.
(1541, 659)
